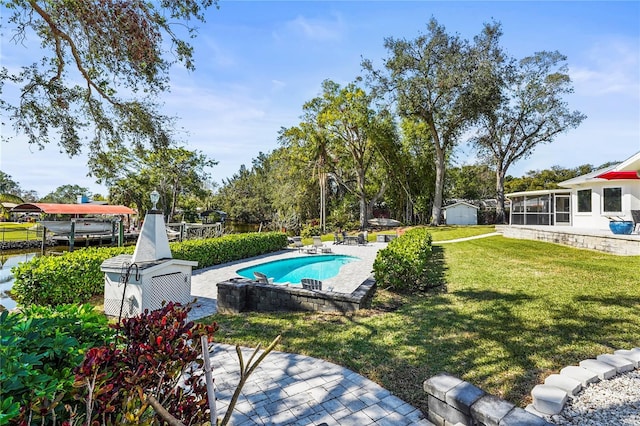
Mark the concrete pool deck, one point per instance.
(351, 275)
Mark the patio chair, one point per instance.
(635, 215)
(311, 284)
(297, 243)
(318, 244)
(362, 241)
(338, 238)
(310, 249)
(262, 278)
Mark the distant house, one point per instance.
(587, 201)
(461, 213)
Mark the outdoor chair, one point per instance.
(310, 249)
(361, 240)
(337, 238)
(262, 278)
(318, 244)
(311, 284)
(635, 215)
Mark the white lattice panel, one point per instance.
(174, 287)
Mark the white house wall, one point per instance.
(597, 218)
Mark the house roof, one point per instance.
(538, 192)
(460, 203)
(86, 208)
(628, 169)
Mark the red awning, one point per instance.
(87, 208)
(619, 175)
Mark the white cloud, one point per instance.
(317, 29)
(611, 67)
(277, 85)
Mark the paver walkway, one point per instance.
(291, 389)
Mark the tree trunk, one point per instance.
(500, 217)
(363, 199)
(323, 201)
(436, 211)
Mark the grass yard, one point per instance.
(513, 312)
(13, 231)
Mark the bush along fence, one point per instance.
(406, 265)
(75, 277)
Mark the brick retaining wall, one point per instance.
(241, 295)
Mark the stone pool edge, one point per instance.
(244, 295)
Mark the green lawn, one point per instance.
(13, 231)
(513, 312)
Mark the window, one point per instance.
(612, 199)
(584, 201)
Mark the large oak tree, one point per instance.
(104, 65)
(440, 80)
(532, 111)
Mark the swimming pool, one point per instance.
(293, 270)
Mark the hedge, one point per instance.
(405, 265)
(75, 277)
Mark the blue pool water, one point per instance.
(293, 270)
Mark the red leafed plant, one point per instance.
(157, 354)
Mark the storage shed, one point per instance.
(461, 213)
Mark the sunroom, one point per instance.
(544, 207)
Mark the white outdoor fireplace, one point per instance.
(149, 277)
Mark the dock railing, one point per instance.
(194, 231)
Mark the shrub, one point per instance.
(159, 355)
(404, 265)
(75, 277)
(310, 230)
(39, 349)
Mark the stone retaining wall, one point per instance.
(23, 245)
(241, 295)
(623, 245)
(452, 401)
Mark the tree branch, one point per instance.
(74, 52)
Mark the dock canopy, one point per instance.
(72, 209)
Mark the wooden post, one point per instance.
(44, 240)
(120, 234)
(72, 236)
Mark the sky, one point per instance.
(258, 62)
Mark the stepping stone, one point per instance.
(582, 375)
(548, 399)
(602, 369)
(620, 363)
(632, 355)
(568, 384)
